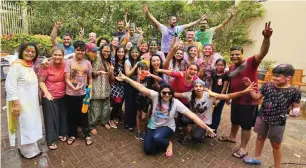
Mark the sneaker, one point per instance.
(142, 136)
(138, 135)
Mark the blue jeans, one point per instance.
(216, 118)
(157, 140)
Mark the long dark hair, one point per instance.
(171, 92)
(190, 47)
(100, 39)
(132, 61)
(117, 58)
(23, 46)
(105, 59)
(181, 61)
(151, 80)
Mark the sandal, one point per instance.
(225, 139)
(113, 125)
(88, 141)
(71, 140)
(52, 146)
(62, 138)
(239, 154)
(251, 161)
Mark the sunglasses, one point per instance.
(164, 93)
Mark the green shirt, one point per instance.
(206, 36)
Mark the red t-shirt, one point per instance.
(55, 80)
(246, 69)
(179, 84)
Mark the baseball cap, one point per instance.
(92, 47)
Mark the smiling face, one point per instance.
(155, 62)
(92, 37)
(172, 21)
(66, 41)
(57, 56)
(153, 47)
(280, 80)
(29, 53)
(203, 25)
(134, 54)
(165, 94)
(236, 56)
(208, 50)
(128, 45)
(106, 52)
(192, 70)
(120, 25)
(179, 54)
(193, 52)
(144, 48)
(220, 66)
(120, 53)
(115, 41)
(190, 36)
(79, 53)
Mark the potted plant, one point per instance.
(264, 67)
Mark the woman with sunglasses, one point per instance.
(161, 125)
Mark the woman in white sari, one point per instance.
(23, 104)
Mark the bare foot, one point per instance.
(169, 151)
(94, 131)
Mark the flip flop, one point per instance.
(71, 140)
(88, 141)
(63, 139)
(52, 146)
(225, 139)
(239, 154)
(251, 161)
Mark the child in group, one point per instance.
(279, 96)
(201, 103)
(219, 85)
(142, 102)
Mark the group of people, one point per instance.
(162, 86)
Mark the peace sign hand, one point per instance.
(267, 32)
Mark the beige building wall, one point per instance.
(288, 42)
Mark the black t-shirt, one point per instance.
(276, 103)
(218, 81)
(119, 34)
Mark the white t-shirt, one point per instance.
(160, 114)
(203, 107)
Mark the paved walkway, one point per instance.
(119, 148)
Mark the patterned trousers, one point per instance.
(99, 111)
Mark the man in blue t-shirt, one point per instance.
(169, 31)
(68, 48)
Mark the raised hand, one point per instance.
(145, 8)
(234, 11)
(57, 24)
(139, 30)
(203, 16)
(81, 33)
(121, 77)
(267, 32)
(111, 68)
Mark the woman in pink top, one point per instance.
(183, 80)
(52, 83)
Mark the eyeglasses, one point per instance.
(164, 93)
